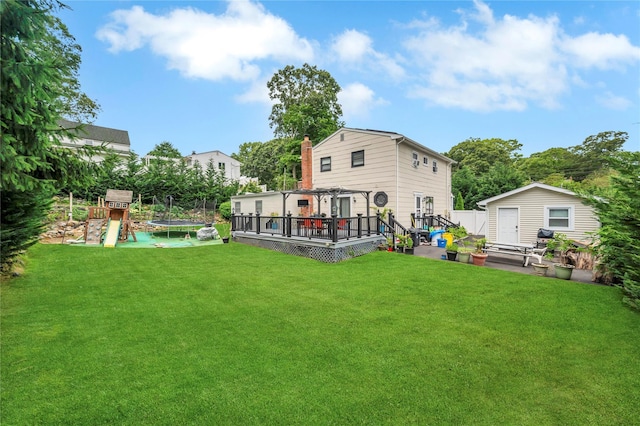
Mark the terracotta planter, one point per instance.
(479, 258)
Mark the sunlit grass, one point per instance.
(232, 334)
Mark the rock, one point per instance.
(205, 234)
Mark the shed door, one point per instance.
(508, 225)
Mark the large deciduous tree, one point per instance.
(484, 168)
(480, 155)
(595, 153)
(264, 160)
(39, 85)
(306, 103)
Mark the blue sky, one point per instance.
(547, 73)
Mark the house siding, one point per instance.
(388, 168)
(377, 174)
(271, 203)
(231, 168)
(532, 204)
(422, 179)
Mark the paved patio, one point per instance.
(506, 263)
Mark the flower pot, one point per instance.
(225, 240)
(479, 258)
(463, 257)
(563, 271)
(540, 269)
(451, 255)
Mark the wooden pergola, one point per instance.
(320, 193)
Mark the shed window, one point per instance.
(258, 206)
(357, 158)
(325, 164)
(559, 218)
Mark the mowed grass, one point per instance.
(232, 334)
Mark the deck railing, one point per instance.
(332, 228)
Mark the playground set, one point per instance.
(110, 223)
(115, 214)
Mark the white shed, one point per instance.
(516, 216)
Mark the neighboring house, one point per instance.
(401, 174)
(96, 136)
(516, 216)
(222, 162)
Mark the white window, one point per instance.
(221, 166)
(558, 218)
(425, 161)
(236, 207)
(258, 206)
(435, 166)
(416, 161)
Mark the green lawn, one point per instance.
(232, 334)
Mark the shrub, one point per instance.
(225, 210)
(619, 234)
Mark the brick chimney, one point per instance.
(306, 164)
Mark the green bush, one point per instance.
(225, 210)
(618, 239)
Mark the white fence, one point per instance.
(474, 221)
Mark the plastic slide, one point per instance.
(113, 231)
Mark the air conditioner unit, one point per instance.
(435, 168)
(416, 163)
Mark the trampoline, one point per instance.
(165, 219)
(176, 223)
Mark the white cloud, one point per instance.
(358, 100)
(209, 46)
(508, 62)
(258, 92)
(352, 46)
(602, 51)
(611, 101)
(355, 49)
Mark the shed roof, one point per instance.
(526, 188)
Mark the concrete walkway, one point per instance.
(506, 263)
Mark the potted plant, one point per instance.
(478, 256)
(408, 246)
(560, 242)
(452, 251)
(540, 269)
(464, 254)
(389, 244)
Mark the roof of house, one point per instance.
(96, 133)
(526, 188)
(394, 136)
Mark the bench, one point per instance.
(525, 251)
